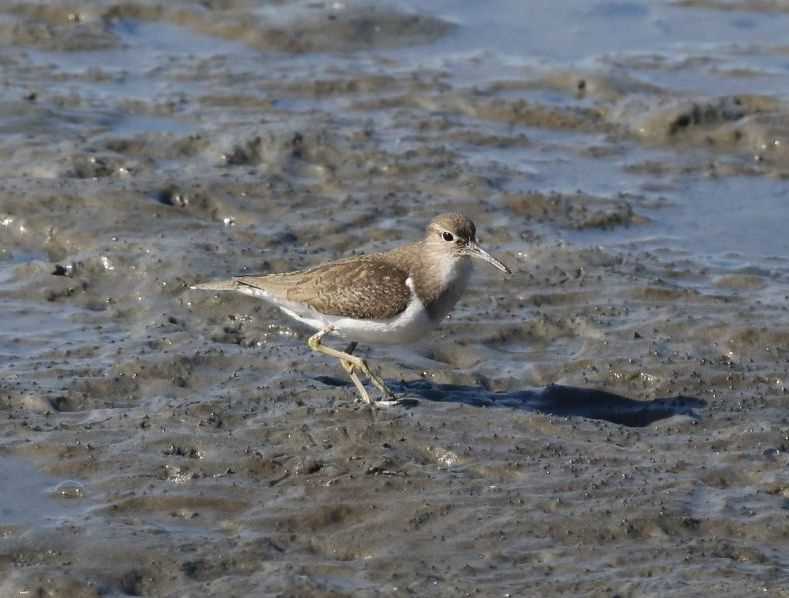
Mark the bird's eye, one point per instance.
(447, 236)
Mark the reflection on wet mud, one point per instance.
(555, 399)
(564, 401)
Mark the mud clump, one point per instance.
(743, 124)
(64, 36)
(574, 211)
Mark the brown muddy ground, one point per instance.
(610, 421)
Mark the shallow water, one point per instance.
(610, 420)
(31, 499)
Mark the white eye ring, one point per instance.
(447, 236)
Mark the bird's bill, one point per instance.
(474, 250)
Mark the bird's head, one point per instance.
(455, 236)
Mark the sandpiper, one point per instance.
(394, 297)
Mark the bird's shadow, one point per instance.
(554, 399)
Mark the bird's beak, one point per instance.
(474, 250)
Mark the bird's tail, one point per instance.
(218, 285)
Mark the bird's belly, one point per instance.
(403, 329)
(408, 326)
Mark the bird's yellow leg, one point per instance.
(350, 364)
(351, 371)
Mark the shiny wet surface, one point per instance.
(610, 420)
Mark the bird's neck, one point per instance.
(439, 280)
(449, 282)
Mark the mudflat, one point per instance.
(610, 420)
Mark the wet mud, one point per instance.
(611, 420)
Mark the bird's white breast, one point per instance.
(454, 275)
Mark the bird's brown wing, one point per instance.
(366, 288)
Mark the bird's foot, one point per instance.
(403, 402)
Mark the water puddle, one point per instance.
(29, 498)
(144, 45)
(710, 218)
(578, 32)
(131, 125)
(22, 334)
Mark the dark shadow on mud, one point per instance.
(565, 401)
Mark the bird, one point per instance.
(391, 297)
